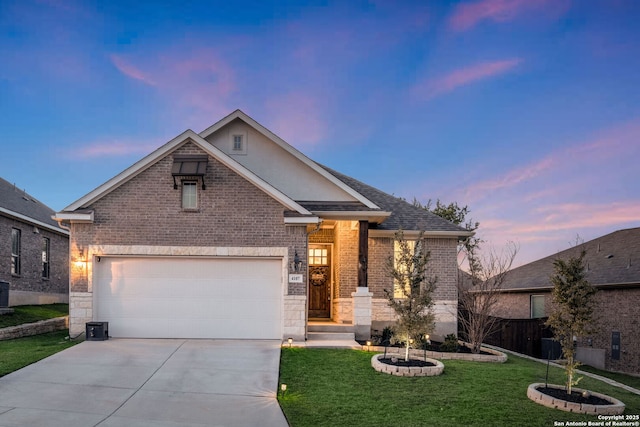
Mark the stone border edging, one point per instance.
(495, 356)
(407, 371)
(540, 398)
(36, 328)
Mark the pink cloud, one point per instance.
(296, 117)
(111, 149)
(130, 71)
(463, 76)
(468, 15)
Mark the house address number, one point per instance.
(295, 278)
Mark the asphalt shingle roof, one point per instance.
(404, 215)
(613, 259)
(19, 201)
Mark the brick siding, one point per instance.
(147, 210)
(30, 278)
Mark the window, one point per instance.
(15, 251)
(537, 306)
(318, 256)
(189, 195)
(45, 257)
(397, 290)
(237, 143)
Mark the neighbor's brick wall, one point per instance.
(147, 211)
(30, 278)
(618, 311)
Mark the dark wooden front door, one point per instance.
(319, 281)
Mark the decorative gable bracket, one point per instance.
(191, 166)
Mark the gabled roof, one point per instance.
(238, 114)
(19, 204)
(611, 260)
(404, 215)
(160, 153)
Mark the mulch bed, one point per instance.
(574, 397)
(405, 363)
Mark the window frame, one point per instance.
(397, 290)
(46, 258)
(16, 250)
(532, 306)
(237, 143)
(189, 201)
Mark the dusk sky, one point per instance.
(527, 111)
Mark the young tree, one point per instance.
(413, 301)
(573, 311)
(479, 292)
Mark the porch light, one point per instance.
(81, 258)
(296, 265)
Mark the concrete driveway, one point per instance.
(141, 383)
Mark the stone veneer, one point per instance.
(35, 328)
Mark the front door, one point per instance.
(319, 281)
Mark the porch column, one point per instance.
(362, 297)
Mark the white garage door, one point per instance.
(189, 297)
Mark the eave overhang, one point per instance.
(414, 234)
(376, 217)
(301, 220)
(32, 221)
(74, 217)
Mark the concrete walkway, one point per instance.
(142, 383)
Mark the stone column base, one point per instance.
(362, 313)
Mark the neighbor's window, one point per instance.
(15, 251)
(46, 243)
(397, 290)
(189, 195)
(237, 143)
(537, 306)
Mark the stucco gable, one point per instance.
(278, 162)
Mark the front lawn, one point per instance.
(33, 313)
(338, 388)
(20, 352)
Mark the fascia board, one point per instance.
(302, 220)
(416, 233)
(35, 222)
(291, 150)
(377, 217)
(86, 217)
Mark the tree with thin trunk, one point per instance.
(479, 291)
(574, 306)
(411, 298)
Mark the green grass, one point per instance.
(339, 388)
(629, 380)
(33, 313)
(20, 352)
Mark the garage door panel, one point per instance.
(189, 297)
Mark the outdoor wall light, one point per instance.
(296, 265)
(81, 258)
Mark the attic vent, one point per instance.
(194, 166)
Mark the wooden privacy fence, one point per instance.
(524, 336)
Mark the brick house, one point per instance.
(233, 233)
(35, 250)
(613, 267)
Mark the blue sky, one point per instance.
(527, 111)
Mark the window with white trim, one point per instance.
(189, 195)
(238, 143)
(537, 306)
(397, 290)
(16, 236)
(46, 244)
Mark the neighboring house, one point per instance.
(35, 250)
(233, 233)
(613, 267)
